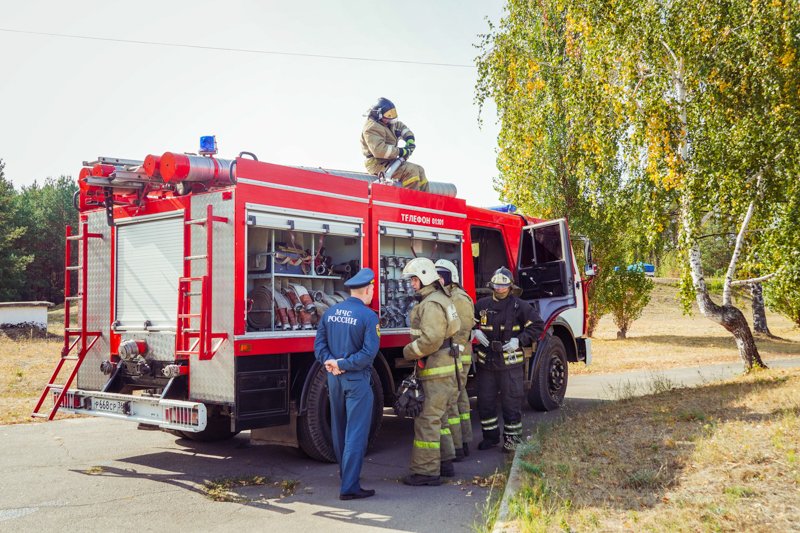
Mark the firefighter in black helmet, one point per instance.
(379, 138)
(505, 324)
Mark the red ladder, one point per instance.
(83, 338)
(197, 340)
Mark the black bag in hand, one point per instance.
(410, 397)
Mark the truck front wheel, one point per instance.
(314, 427)
(549, 377)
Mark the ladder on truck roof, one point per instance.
(83, 339)
(197, 340)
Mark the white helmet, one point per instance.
(502, 278)
(444, 264)
(423, 268)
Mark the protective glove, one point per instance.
(512, 345)
(405, 153)
(481, 336)
(411, 144)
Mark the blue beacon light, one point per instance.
(508, 208)
(208, 145)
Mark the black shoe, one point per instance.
(459, 455)
(417, 480)
(447, 469)
(466, 449)
(485, 444)
(362, 493)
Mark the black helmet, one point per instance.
(383, 108)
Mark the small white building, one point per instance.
(25, 314)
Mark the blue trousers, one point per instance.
(351, 416)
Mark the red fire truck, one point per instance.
(200, 281)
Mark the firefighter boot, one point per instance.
(485, 444)
(460, 454)
(418, 480)
(447, 469)
(510, 443)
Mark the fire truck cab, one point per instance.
(201, 280)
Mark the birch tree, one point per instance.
(699, 102)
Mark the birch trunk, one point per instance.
(759, 314)
(727, 315)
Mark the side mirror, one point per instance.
(590, 270)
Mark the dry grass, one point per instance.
(666, 338)
(722, 457)
(26, 364)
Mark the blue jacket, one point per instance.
(348, 332)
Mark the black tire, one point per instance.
(218, 427)
(549, 377)
(314, 427)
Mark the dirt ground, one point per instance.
(720, 457)
(666, 338)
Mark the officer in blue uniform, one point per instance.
(347, 341)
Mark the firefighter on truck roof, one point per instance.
(505, 324)
(434, 321)
(459, 412)
(379, 139)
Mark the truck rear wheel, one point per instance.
(218, 427)
(314, 428)
(549, 379)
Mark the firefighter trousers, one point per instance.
(433, 441)
(351, 417)
(508, 384)
(454, 420)
(409, 175)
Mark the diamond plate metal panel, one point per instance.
(160, 344)
(213, 380)
(98, 301)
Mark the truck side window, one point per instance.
(547, 242)
(488, 254)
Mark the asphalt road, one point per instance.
(90, 474)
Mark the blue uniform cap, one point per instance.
(363, 277)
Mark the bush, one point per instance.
(626, 294)
(782, 293)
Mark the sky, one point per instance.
(67, 100)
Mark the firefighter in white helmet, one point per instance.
(379, 138)
(505, 324)
(459, 411)
(434, 321)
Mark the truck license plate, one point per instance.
(109, 406)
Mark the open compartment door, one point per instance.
(545, 272)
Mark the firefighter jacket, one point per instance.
(500, 320)
(466, 314)
(434, 321)
(379, 142)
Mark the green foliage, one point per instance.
(559, 144)
(627, 294)
(13, 257)
(644, 120)
(45, 210)
(782, 294)
(779, 252)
